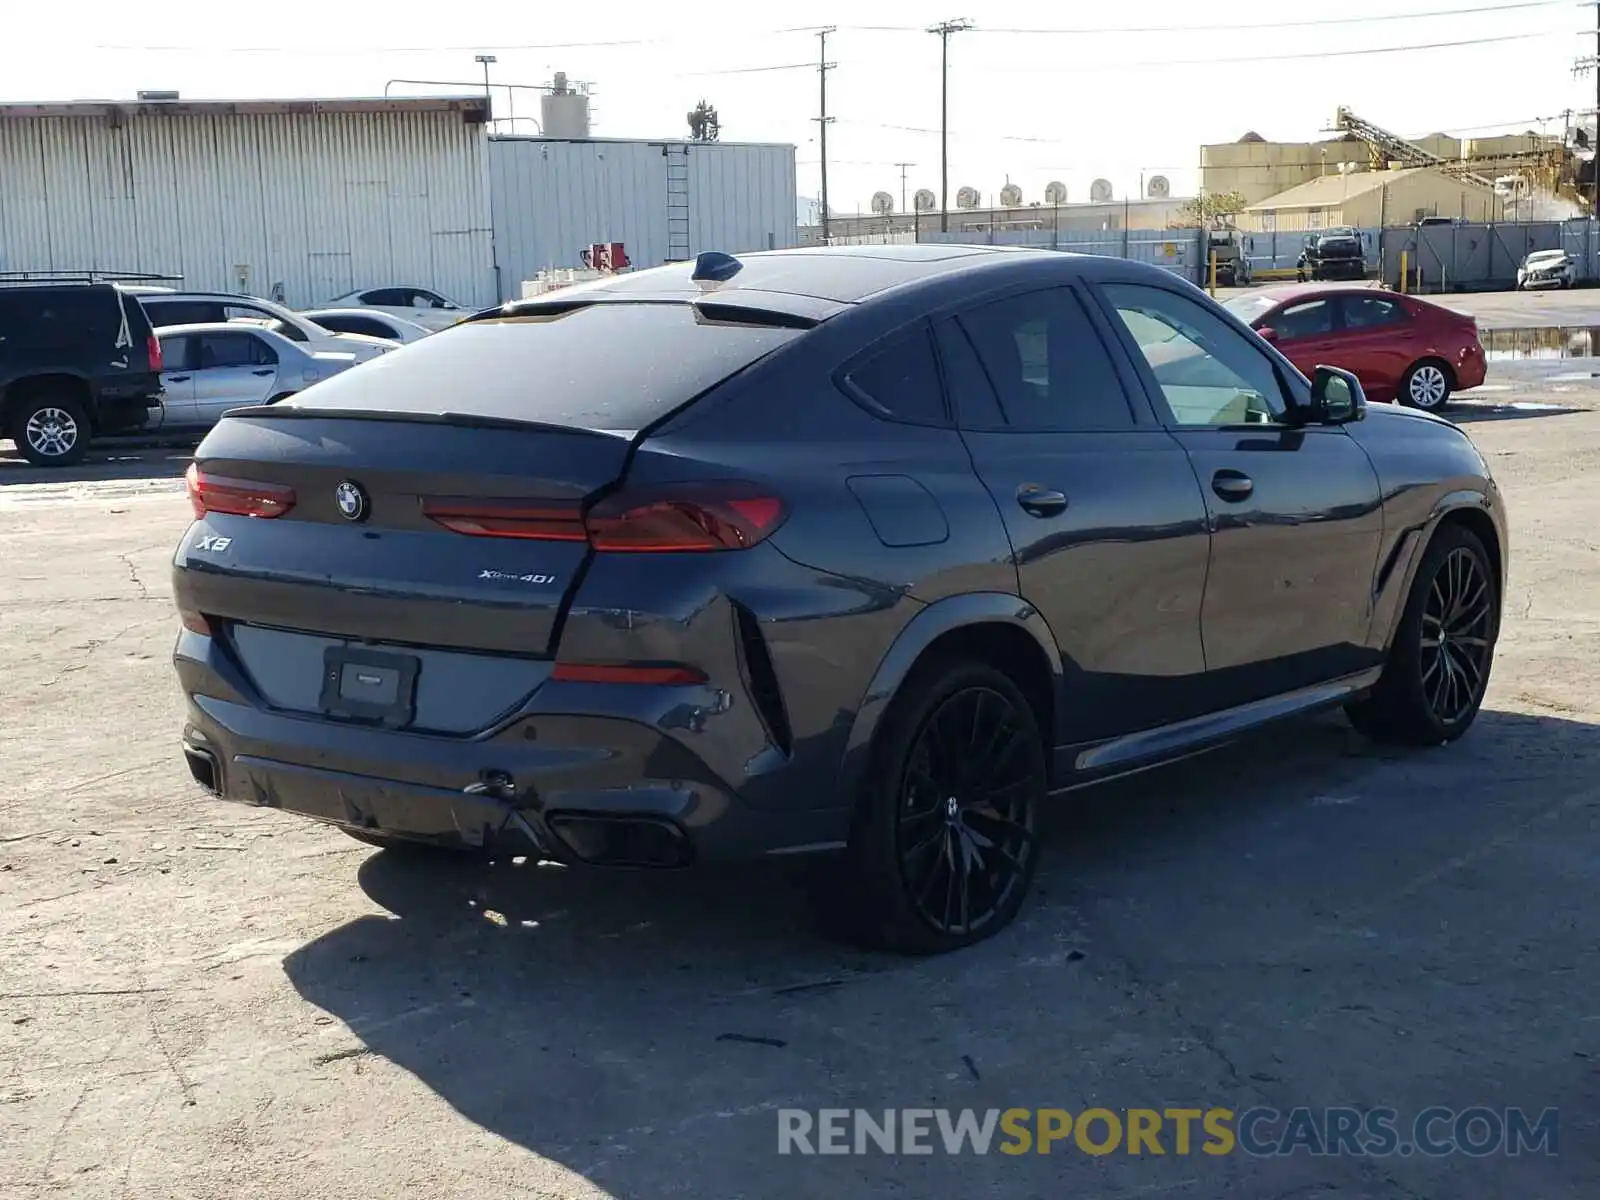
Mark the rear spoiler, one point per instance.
(291, 411)
(773, 310)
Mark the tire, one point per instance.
(956, 726)
(1427, 385)
(1411, 705)
(51, 430)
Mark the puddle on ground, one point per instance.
(1541, 342)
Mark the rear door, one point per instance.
(1378, 342)
(1107, 524)
(179, 355)
(1296, 512)
(234, 370)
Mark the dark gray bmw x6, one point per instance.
(855, 552)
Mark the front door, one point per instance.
(1296, 516)
(1107, 525)
(1306, 332)
(236, 369)
(1378, 342)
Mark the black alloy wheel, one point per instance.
(1442, 650)
(1455, 645)
(943, 848)
(965, 824)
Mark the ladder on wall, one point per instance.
(677, 203)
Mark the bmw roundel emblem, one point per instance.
(351, 499)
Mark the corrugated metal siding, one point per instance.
(741, 198)
(554, 198)
(320, 203)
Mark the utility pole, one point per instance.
(485, 60)
(944, 29)
(823, 119)
(903, 167)
(1580, 67)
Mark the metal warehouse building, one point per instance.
(664, 200)
(301, 199)
(304, 200)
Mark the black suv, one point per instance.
(1334, 254)
(76, 360)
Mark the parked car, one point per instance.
(203, 308)
(428, 309)
(369, 322)
(1547, 268)
(76, 361)
(215, 366)
(1400, 347)
(1332, 254)
(907, 539)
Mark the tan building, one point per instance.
(1258, 169)
(1372, 198)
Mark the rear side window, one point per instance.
(901, 381)
(1047, 364)
(1371, 312)
(60, 320)
(234, 350)
(1308, 318)
(608, 366)
(178, 353)
(340, 324)
(181, 312)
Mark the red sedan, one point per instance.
(1400, 347)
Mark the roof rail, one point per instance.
(23, 278)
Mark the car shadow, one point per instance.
(1300, 887)
(1470, 412)
(108, 459)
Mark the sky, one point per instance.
(1037, 91)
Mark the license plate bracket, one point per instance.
(369, 685)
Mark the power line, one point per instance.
(1267, 59)
(1082, 31)
(805, 66)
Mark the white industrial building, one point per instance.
(305, 200)
(664, 200)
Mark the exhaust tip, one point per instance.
(622, 841)
(203, 766)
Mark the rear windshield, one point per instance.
(610, 366)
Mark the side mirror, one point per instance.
(1337, 397)
(1267, 333)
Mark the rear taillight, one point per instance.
(238, 497)
(541, 520)
(682, 517)
(153, 347)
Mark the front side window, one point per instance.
(1308, 318)
(1209, 372)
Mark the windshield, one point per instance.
(1249, 307)
(1546, 256)
(1342, 231)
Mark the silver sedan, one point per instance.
(210, 368)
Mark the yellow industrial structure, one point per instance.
(1368, 176)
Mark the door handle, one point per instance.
(1038, 501)
(177, 379)
(265, 371)
(1232, 485)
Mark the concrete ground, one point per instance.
(200, 1000)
